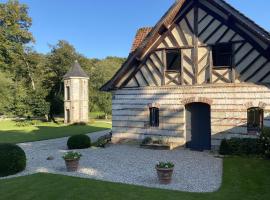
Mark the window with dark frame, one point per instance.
(222, 55)
(255, 119)
(154, 117)
(173, 58)
(68, 92)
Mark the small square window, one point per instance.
(222, 55)
(173, 60)
(154, 117)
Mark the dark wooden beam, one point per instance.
(163, 29)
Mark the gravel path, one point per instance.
(194, 171)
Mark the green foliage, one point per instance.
(12, 159)
(237, 146)
(14, 33)
(265, 142)
(79, 142)
(224, 148)
(147, 140)
(103, 141)
(5, 94)
(72, 155)
(165, 165)
(32, 83)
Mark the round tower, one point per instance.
(76, 95)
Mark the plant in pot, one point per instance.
(72, 159)
(165, 172)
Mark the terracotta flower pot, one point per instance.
(164, 175)
(72, 165)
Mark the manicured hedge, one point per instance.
(265, 142)
(12, 159)
(237, 146)
(79, 142)
(247, 146)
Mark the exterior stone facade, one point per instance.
(229, 104)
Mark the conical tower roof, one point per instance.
(76, 71)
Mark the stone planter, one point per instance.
(164, 175)
(72, 165)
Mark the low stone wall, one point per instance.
(229, 104)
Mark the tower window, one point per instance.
(68, 92)
(173, 60)
(154, 117)
(222, 55)
(255, 119)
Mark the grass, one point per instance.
(244, 178)
(10, 133)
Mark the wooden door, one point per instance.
(198, 126)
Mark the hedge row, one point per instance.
(247, 146)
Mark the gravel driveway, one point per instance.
(194, 171)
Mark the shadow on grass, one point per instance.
(45, 132)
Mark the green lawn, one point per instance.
(244, 178)
(10, 133)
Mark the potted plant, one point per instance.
(72, 159)
(165, 172)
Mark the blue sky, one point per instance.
(100, 28)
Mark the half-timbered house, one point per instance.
(201, 74)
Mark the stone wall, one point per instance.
(229, 104)
(78, 102)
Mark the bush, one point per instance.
(147, 140)
(79, 124)
(104, 140)
(265, 142)
(224, 148)
(12, 159)
(79, 142)
(237, 146)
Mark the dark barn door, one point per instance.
(198, 126)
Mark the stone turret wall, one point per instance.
(76, 107)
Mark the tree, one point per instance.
(5, 94)
(58, 62)
(14, 34)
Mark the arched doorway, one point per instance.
(198, 126)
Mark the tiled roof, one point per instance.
(140, 36)
(76, 71)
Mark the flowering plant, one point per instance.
(72, 155)
(165, 165)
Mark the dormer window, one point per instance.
(173, 60)
(222, 55)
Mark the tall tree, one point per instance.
(14, 34)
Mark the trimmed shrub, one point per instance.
(12, 159)
(237, 146)
(79, 142)
(224, 148)
(265, 142)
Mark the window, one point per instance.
(173, 60)
(255, 119)
(222, 55)
(154, 117)
(68, 92)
